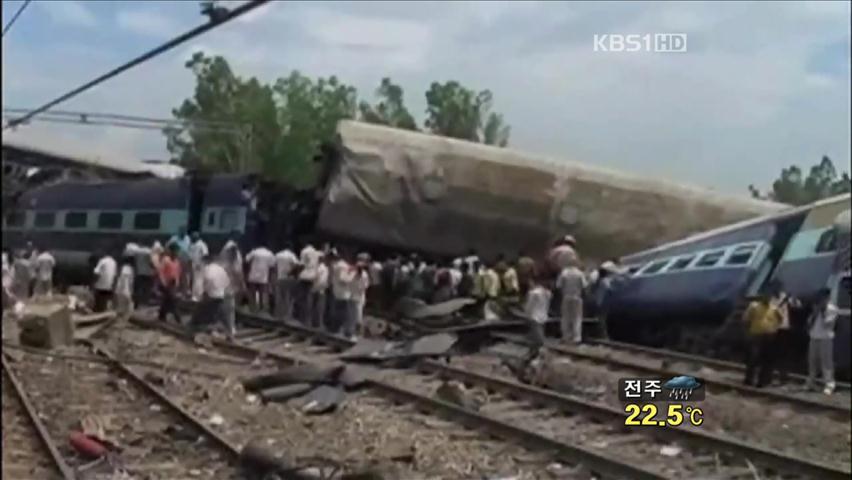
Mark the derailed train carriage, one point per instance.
(412, 191)
(689, 294)
(75, 220)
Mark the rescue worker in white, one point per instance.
(285, 263)
(44, 264)
(571, 283)
(197, 251)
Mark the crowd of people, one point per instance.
(328, 288)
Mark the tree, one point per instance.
(308, 113)
(281, 126)
(249, 108)
(390, 110)
(794, 188)
(458, 112)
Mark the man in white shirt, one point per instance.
(359, 286)
(105, 272)
(570, 284)
(260, 261)
(197, 251)
(318, 295)
(213, 308)
(44, 273)
(22, 273)
(341, 276)
(285, 264)
(7, 280)
(536, 309)
(309, 259)
(124, 287)
(821, 347)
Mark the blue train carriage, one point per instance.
(677, 295)
(817, 257)
(74, 220)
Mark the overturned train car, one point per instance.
(413, 191)
(689, 294)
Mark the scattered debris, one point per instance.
(670, 450)
(323, 399)
(455, 393)
(216, 420)
(307, 373)
(285, 392)
(46, 325)
(86, 446)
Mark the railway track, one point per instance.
(672, 357)
(28, 452)
(720, 381)
(565, 419)
(128, 411)
(367, 429)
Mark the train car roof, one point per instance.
(150, 193)
(734, 227)
(385, 138)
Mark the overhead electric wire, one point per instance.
(15, 17)
(214, 22)
(117, 116)
(125, 124)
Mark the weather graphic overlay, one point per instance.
(662, 402)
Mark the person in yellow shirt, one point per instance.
(762, 319)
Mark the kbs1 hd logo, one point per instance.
(649, 42)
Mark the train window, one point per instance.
(45, 219)
(741, 255)
(146, 221)
(827, 241)
(110, 220)
(680, 263)
(76, 219)
(211, 219)
(655, 267)
(710, 259)
(228, 220)
(15, 219)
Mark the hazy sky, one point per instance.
(762, 85)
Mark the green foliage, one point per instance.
(276, 130)
(794, 188)
(458, 112)
(390, 110)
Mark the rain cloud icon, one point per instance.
(681, 387)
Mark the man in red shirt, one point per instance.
(168, 273)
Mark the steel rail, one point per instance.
(596, 461)
(686, 357)
(719, 384)
(44, 437)
(765, 456)
(196, 422)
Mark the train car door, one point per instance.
(197, 191)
